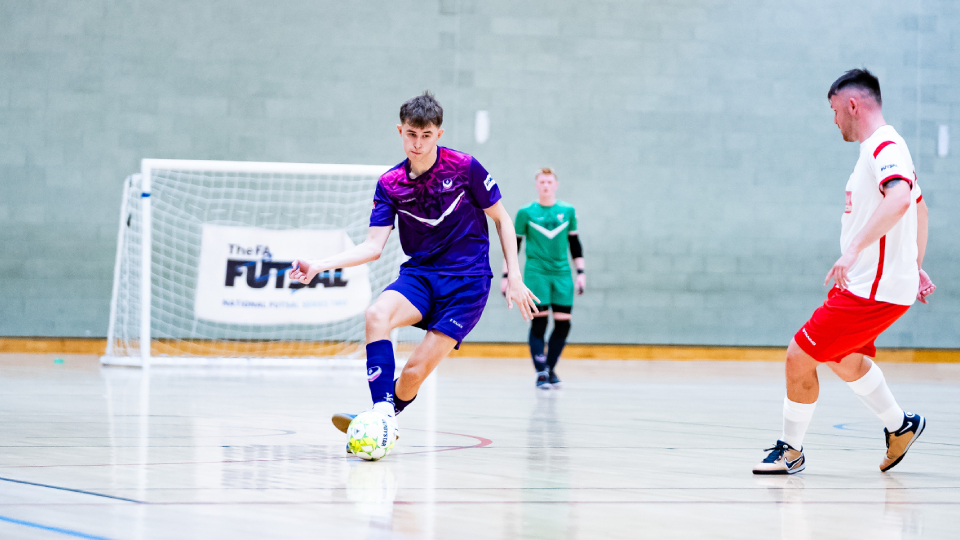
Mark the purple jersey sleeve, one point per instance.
(384, 212)
(483, 188)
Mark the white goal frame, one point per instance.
(147, 166)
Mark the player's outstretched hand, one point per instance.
(926, 287)
(303, 271)
(581, 284)
(519, 293)
(840, 269)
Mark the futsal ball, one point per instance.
(371, 435)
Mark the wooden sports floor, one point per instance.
(626, 449)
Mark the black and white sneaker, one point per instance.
(783, 459)
(543, 380)
(554, 380)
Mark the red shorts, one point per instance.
(846, 324)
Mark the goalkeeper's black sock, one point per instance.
(558, 338)
(537, 330)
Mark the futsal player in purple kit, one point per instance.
(442, 199)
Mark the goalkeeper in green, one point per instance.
(550, 227)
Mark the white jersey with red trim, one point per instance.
(886, 271)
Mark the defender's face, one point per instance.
(419, 142)
(843, 115)
(546, 184)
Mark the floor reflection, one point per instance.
(547, 474)
(802, 511)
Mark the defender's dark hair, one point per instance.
(857, 78)
(422, 111)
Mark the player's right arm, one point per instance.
(382, 219)
(369, 250)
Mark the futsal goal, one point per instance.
(204, 251)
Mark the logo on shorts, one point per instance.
(804, 330)
(460, 326)
(373, 373)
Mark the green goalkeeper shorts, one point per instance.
(550, 289)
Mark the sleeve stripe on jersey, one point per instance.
(883, 145)
(920, 198)
(896, 177)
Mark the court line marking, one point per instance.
(482, 443)
(70, 489)
(68, 532)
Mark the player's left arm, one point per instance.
(923, 217)
(896, 202)
(576, 251)
(516, 290)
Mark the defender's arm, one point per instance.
(923, 218)
(896, 202)
(516, 290)
(926, 285)
(369, 250)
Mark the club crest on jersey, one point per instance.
(448, 183)
(559, 217)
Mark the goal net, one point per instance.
(204, 254)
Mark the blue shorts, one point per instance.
(451, 305)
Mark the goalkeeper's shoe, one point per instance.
(554, 380)
(543, 380)
(782, 459)
(902, 439)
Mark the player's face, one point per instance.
(843, 115)
(419, 143)
(546, 184)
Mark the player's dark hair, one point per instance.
(422, 111)
(857, 78)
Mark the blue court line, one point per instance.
(70, 489)
(68, 532)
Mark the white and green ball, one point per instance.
(371, 435)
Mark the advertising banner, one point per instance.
(244, 277)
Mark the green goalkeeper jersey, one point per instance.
(546, 230)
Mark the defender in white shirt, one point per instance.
(877, 279)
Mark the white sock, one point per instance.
(873, 392)
(796, 418)
(386, 408)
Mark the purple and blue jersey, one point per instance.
(441, 222)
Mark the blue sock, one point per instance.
(380, 370)
(399, 405)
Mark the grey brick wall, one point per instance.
(693, 137)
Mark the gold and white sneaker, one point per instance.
(342, 421)
(902, 439)
(783, 459)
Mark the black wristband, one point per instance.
(579, 270)
(504, 274)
